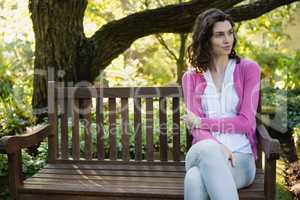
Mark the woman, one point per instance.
(221, 94)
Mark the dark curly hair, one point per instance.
(199, 54)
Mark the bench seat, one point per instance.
(105, 180)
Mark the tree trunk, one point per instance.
(181, 60)
(58, 28)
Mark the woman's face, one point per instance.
(222, 38)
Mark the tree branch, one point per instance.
(164, 44)
(115, 37)
(256, 9)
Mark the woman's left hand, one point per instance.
(229, 155)
(192, 120)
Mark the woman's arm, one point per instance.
(188, 86)
(245, 119)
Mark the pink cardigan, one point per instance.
(247, 84)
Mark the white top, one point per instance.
(223, 104)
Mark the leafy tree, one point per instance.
(62, 45)
(16, 67)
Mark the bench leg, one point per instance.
(14, 173)
(270, 179)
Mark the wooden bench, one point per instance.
(145, 158)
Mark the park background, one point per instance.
(273, 40)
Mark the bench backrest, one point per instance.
(124, 124)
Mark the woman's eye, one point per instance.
(219, 35)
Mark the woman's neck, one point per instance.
(219, 64)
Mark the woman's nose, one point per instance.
(227, 39)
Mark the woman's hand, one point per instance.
(192, 120)
(229, 155)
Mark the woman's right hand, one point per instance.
(229, 155)
(191, 120)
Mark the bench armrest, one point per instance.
(11, 144)
(270, 146)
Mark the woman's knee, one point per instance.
(193, 177)
(207, 150)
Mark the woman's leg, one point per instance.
(208, 156)
(194, 189)
(244, 170)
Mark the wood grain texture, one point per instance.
(138, 128)
(100, 128)
(112, 128)
(64, 150)
(31, 137)
(52, 116)
(118, 181)
(163, 139)
(87, 105)
(176, 128)
(149, 130)
(75, 130)
(125, 128)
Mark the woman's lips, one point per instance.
(227, 48)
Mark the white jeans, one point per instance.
(209, 174)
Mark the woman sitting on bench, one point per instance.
(221, 93)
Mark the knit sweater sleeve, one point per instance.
(245, 120)
(193, 105)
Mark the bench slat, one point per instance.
(52, 115)
(125, 127)
(125, 167)
(149, 129)
(87, 104)
(138, 128)
(176, 128)
(84, 181)
(145, 182)
(75, 130)
(100, 128)
(107, 178)
(64, 128)
(103, 172)
(108, 190)
(163, 129)
(121, 162)
(112, 128)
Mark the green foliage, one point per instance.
(282, 192)
(16, 67)
(13, 120)
(146, 62)
(262, 40)
(268, 29)
(31, 164)
(287, 103)
(3, 165)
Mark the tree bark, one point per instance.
(62, 46)
(58, 28)
(181, 60)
